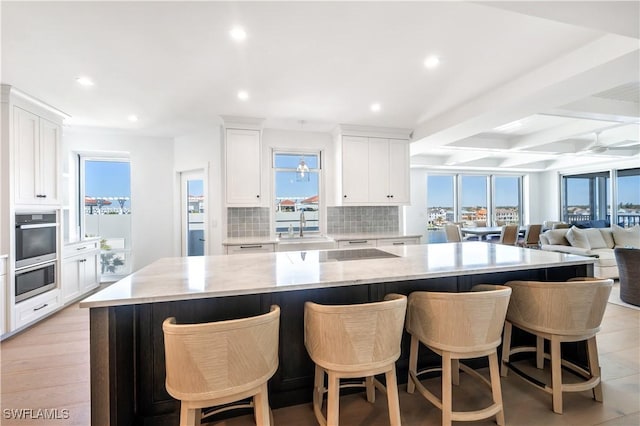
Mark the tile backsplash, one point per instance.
(248, 222)
(345, 220)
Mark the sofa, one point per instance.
(596, 242)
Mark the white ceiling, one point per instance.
(558, 71)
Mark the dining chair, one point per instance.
(531, 236)
(509, 235)
(453, 233)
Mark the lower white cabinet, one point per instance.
(36, 307)
(398, 241)
(250, 248)
(359, 243)
(80, 269)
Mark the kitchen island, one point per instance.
(127, 352)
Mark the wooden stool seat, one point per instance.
(559, 312)
(458, 326)
(221, 362)
(354, 341)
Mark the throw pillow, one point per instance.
(557, 237)
(607, 235)
(595, 238)
(578, 238)
(626, 237)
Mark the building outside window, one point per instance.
(586, 197)
(297, 192)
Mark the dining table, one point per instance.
(484, 231)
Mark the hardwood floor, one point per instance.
(47, 367)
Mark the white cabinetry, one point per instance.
(36, 307)
(359, 243)
(243, 168)
(37, 158)
(375, 171)
(80, 269)
(250, 248)
(401, 241)
(3, 295)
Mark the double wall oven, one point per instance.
(36, 254)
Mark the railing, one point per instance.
(626, 220)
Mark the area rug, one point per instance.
(614, 297)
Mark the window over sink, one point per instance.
(297, 203)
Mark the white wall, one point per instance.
(202, 150)
(151, 186)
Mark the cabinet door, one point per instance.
(399, 171)
(3, 289)
(355, 169)
(71, 278)
(90, 276)
(243, 167)
(49, 168)
(379, 171)
(26, 136)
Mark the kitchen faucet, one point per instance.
(303, 223)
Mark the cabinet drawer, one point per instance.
(250, 248)
(398, 241)
(80, 248)
(36, 307)
(357, 243)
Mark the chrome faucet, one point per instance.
(303, 223)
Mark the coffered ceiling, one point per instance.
(520, 86)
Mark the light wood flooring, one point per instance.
(47, 366)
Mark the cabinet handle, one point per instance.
(398, 243)
(258, 196)
(41, 307)
(391, 196)
(254, 246)
(81, 248)
(345, 196)
(359, 242)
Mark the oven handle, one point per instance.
(35, 267)
(36, 225)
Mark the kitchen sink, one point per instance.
(311, 242)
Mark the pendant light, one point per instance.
(302, 171)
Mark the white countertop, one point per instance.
(183, 278)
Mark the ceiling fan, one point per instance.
(598, 148)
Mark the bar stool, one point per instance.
(221, 362)
(559, 312)
(458, 326)
(354, 341)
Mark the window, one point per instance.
(628, 197)
(105, 206)
(297, 191)
(586, 197)
(468, 198)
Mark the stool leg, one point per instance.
(413, 363)
(189, 416)
(392, 396)
(261, 406)
(371, 389)
(455, 371)
(318, 392)
(496, 389)
(540, 352)
(556, 375)
(506, 348)
(447, 405)
(594, 367)
(333, 400)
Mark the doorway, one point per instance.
(194, 214)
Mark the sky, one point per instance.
(628, 191)
(474, 191)
(107, 179)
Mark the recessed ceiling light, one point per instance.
(84, 81)
(243, 95)
(132, 118)
(238, 33)
(375, 107)
(431, 62)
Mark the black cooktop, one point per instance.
(353, 254)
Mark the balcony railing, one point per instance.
(626, 220)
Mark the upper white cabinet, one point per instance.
(243, 167)
(37, 158)
(375, 171)
(31, 138)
